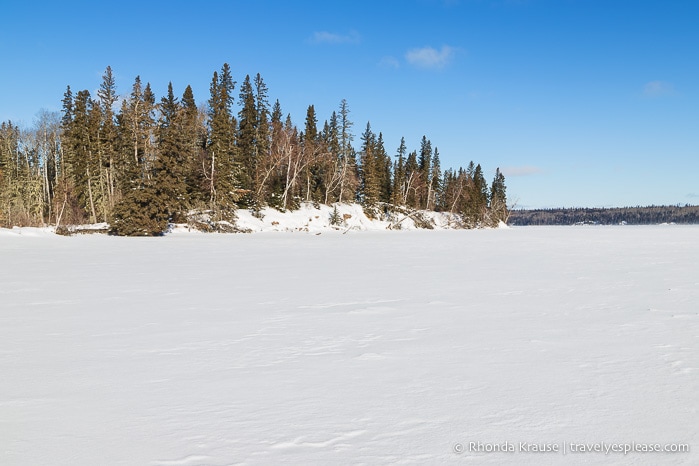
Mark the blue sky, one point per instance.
(580, 102)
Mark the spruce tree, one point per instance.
(262, 132)
(332, 163)
(274, 184)
(436, 181)
(246, 140)
(67, 205)
(195, 143)
(384, 169)
(85, 166)
(137, 128)
(141, 212)
(67, 109)
(398, 197)
(277, 113)
(425, 174)
(170, 164)
(108, 136)
(335, 218)
(222, 177)
(475, 210)
(498, 199)
(349, 179)
(311, 147)
(150, 195)
(369, 181)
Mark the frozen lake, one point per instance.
(364, 348)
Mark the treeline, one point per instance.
(651, 215)
(137, 163)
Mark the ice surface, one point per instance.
(363, 348)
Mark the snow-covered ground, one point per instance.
(372, 347)
(313, 219)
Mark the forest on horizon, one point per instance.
(152, 162)
(649, 215)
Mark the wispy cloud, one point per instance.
(429, 57)
(389, 63)
(325, 37)
(526, 170)
(658, 89)
(693, 195)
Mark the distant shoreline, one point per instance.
(649, 215)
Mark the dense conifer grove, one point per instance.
(137, 163)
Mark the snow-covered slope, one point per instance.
(364, 348)
(350, 217)
(307, 219)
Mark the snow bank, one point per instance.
(308, 218)
(26, 232)
(317, 219)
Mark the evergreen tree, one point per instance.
(498, 199)
(475, 209)
(68, 207)
(136, 127)
(425, 174)
(349, 179)
(263, 132)
(85, 165)
(272, 184)
(221, 148)
(247, 140)
(277, 113)
(333, 136)
(67, 109)
(195, 134)
(108, 137)
(332, 172)
(398, 197)
(311, 148)
(384, 168)
(335, 218)
(436, 183)
(369, 181)
(170, 165)
(141, 212)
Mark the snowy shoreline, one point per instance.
(308, 218)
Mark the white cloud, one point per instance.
(658, 89)
(525, 170)
(431, 58)
(324, 37)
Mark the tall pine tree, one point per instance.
(498, 199)
(247, 141)
(221, 176)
